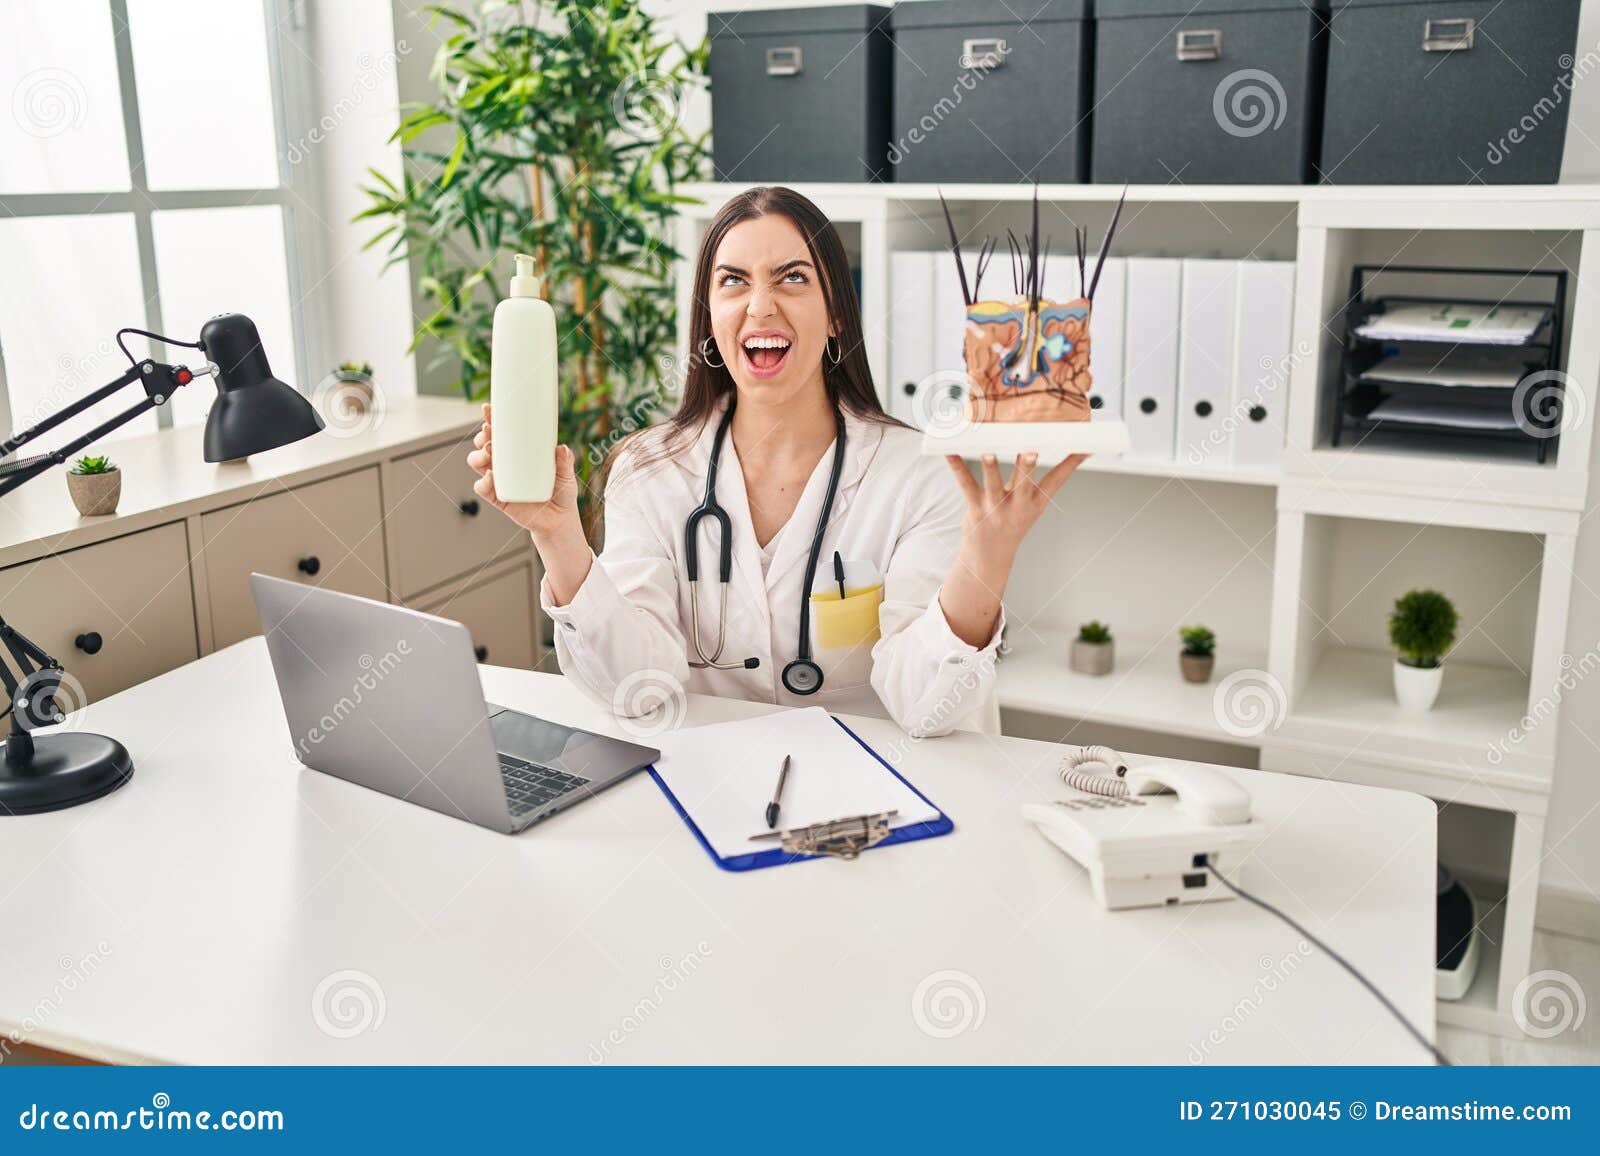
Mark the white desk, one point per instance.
(224, 883)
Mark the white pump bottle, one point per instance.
(523, 391)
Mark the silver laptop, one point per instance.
(389, 698)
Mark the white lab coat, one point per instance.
(624, 637)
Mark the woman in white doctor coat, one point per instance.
(776, 334)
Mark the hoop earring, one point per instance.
(831, 344)
(705, 354)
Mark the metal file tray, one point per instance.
(1526, 411)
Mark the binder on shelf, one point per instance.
(840, 796)
(1205, 361)
(950, 320)
(911, 327)
(1150, 363)
(1264, 358)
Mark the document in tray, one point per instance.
(1404, 411)
(1495, 368)
(723, 776)
(1468, 324)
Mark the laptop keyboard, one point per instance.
(530, 786)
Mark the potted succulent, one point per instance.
(95, 484)
(1093, 651)
(1422, 628)
(1199, 653)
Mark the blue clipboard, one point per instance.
(777, 857)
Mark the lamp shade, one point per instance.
(254, 411)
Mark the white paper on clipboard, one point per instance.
(723, 776)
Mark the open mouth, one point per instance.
(765, 354)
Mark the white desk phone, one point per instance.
(1147, 836)
(1167, 834)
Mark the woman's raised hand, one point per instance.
(544, 520)
(1000, 513)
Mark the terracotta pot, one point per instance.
(95, 494)
(1092, 657)
(1417, 687)
(1196, 667)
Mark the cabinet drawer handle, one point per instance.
(1147, 405)
(1258, 413)
(89, 642)
(482, 652)
(309, 565)
(983, 52)
(1200, 44)
(785, 61)
(1202, 408)
(470, 507)
(1449, 35)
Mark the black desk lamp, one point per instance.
(254, 411)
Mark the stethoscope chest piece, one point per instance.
(802, 676)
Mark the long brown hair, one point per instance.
(848, 381)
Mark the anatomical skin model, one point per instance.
(1027, 356)
(1027, 361)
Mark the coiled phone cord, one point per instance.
(1097, 770)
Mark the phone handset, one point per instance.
(1205, 794)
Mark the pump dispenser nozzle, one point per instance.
(525, 282)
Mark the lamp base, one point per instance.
(65, 770)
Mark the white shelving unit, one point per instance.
(1296, 567)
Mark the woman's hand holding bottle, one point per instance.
(555, 525)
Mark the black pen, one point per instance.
(777, 796)
(838, 573)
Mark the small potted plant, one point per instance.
(1422, 628)
(1093, 651)
(95, 484)
(1199, 653)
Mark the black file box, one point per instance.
(991, 91)
(1448, 92)
(800, 94)
(1191, 92)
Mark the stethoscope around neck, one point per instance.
(801, 676)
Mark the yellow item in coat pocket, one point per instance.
(848, 622)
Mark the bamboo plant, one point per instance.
(560, 136)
